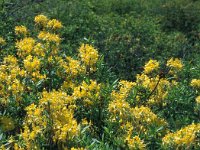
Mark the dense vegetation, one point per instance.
(114, 74)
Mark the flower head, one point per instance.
(175, 63)
(54, 24)
(195, 83)
(20, 30)
(41, 20)
(89, 55)
(151, 65)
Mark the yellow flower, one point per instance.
(144, 115)
(89, 92)
(186, 136)
(135, 143)
(41, 20)
(39, 49)
(150, 66)
(60, 109)
(16, 87)
(88, 54)
(76, 148)
(25, 46)
(72, 67)
(175, 63)
(143, 80)
(10, 60)
(20, 30)
(50, 37)
(195, 83)
(54, 24)
(198, 99)
(31, 64)
(2, 41)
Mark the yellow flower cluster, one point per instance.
(54, 24)
(150, 66)
(129, 106)
(77, 148)
(145, 117)
(2, 41)
(135, 143)
(41, 20)
(49, 37)
(185, 137)
(175, 64)
(198, 100)
(72, 67)
(158, 86)
(88, 55)
(31, 64)
(21, 30)
(32, 67)
(88, 92)
(54, 114)
(133, 120)
(25, 46)
(120, 110)
(125, 87)
(10, 84)
(39, 50)
(195, 83)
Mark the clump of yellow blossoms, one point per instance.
(10, 84)
(21, 30)
(54, 24)
(25, 46)
(135, 143)
(198, 100)
(186, 137)
(175, 64)
(156, 84)
(54, 114)
(88, 92)
(72, 67)
(195, 83)
(41, 20)
(32, 67)
(77, 148)
(2, 41)
(49, 37)
(131, 119)
(31, 64)
(39, 49)
(150, 66)
(89, 55)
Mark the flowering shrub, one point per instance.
(61, 104)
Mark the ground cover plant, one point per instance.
(109, 75)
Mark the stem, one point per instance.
(154, 89)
